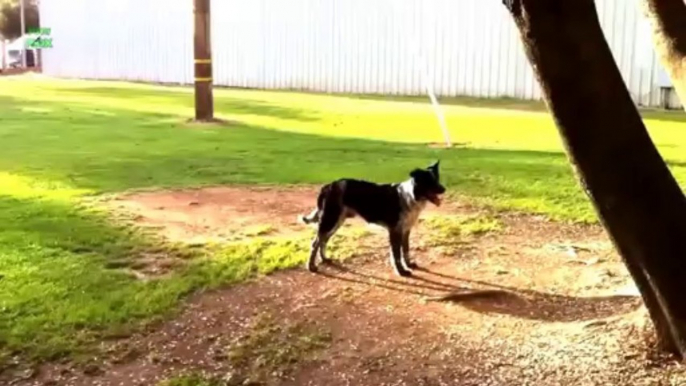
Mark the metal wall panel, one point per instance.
(465, 47)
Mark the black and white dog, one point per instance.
(394, 206)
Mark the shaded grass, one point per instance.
(56, 292)
(60, 291)
(62, 278)
(64, 273)
(102, 136)
(194, 379)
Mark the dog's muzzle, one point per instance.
(435, 199)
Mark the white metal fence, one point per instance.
(468, 47)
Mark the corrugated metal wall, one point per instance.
(467, 47)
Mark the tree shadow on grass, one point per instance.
(126, 149)
(57, 293)
(183, 98)
(496, 299)
(132, 149)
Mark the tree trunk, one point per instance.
(633, 192)
(668, 21)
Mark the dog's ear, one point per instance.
(434, 168)
(415, 173)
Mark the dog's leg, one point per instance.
(407, 262)
(325, 240)
(312, 261)
(331, 219)
(396, 239)
(322, 254)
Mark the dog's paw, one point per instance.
(412, 265)
(312, 268)
(404, 273)
(326, 261)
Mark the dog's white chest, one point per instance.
(414, 208)
(410, 218)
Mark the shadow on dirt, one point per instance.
(494, 298)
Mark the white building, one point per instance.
(11, 51)
(468, 47)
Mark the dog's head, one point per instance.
(427, 185)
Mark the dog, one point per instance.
(395, 207)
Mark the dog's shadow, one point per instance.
(494, 298)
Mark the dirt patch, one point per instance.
(218, 214)
(443, 145)
(525, 301)
(19, 71)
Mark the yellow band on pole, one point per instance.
(203, 79)
(203, 61)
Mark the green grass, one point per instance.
(447, 229)
(194, 379)
(63, 141)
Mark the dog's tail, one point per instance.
(311, 218)
(314, 216)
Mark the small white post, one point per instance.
(437, 107)
(3, 46)
(428, 85)
(23, 33)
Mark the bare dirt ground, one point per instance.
(19, 71)
(534, 303)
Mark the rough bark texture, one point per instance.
(204, 98)
(668, 21)
(634, 194)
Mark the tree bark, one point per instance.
(668, 21)
(637, 199)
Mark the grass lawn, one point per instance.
(64, 141)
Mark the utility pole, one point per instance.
(23, 32)
(204, 100)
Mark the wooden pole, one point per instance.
(204, 101)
